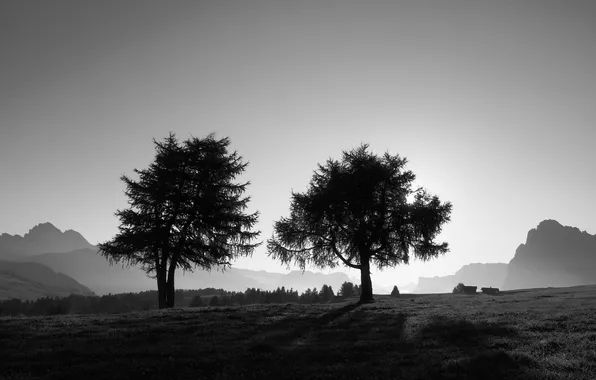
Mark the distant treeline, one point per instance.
(147, 300)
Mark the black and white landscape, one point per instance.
(307, 189)
(49, 262)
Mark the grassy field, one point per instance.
(530, 334)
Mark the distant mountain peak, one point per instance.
(42, 230)
(549, 223)
(553, 255)
(42, 238)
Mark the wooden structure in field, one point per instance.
(490, 290)
(470, 289)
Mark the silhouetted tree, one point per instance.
(326, 294)
(347, 289)
(459, 288)
(214, 301)
(357, 211)
(306, 296)
(185, 211)
(395, 291)
(357, 290)
(238, 298)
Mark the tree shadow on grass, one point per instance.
(462, 333)
(467, 350)
(334, 343)
(356, 341)
(292, 330)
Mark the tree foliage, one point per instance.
(326, 294)
(146, 300)
(186, 211)
(459, 288)
(395, 291)
(347, 290)
(358, 211)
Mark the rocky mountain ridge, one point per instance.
(43, 238)
(553, 256)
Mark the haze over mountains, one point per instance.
(553, 256)
(29, 281)
(48, 262)
(483, 275)
(72, 255)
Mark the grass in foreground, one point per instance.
(536, 334)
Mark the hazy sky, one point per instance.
(492, 102)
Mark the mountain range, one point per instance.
(43, 238)
(70, 254)
(552, 256)
(48, 262)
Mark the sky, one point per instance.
(492, 102)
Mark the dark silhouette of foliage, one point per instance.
(185, 211)
(459, 288)
(357, 290)
(130, 302)
(357, 211)
(197, 301)
(308, 296)
(214, 301)
(347, 289)
(395, 291)
(326, 294)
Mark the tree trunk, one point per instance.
(366, 293)
(170, 293)
(161, 287)
(170, 290)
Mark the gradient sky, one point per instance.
(492, 102)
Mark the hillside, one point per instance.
(516, 335)
(29, 281)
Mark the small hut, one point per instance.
(490, 290)
(470, 289)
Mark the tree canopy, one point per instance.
(359, 210)
(186, 211)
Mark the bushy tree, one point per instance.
(347, 289)
(186, 211)
(358, 211)
(326, 294)
(395, 291)
(459, 288)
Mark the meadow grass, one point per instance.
(532, 334)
